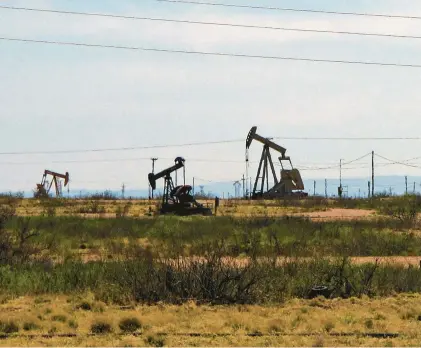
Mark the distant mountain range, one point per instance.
(355, 187)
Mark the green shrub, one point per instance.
(59, 317)
(329, 326)
(30, 325)
(369, 324)
(8, 327)
(101, 327)
(156, 340)
(73, 324)
(130, 325)
(86, 306)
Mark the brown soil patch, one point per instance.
(391, 260)
(406, 261)
(337, 213)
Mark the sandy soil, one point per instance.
(337, 213)
(413, 261)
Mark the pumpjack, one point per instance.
(290, 183)
(177, 200)
(43, 189)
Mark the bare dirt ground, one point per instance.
(414, 261)
(405, 261)
(338, 213)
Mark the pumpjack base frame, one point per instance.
(182, 210)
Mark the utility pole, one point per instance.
(369, 189)
(153, 172)
(123, 188)
(314, 189)
(406, 185)
(326, 188)
(244, 186)
(340, 173)
(372, 173)
(340, 179)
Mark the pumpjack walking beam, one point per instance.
(265, 160)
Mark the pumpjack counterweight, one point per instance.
(290, 182)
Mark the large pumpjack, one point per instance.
(177, 200)
(43, 189)
(290, 183)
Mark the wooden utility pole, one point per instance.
(326, 188)
(340, 173)
(314, 190)
(244, 186)
(372, 174)
(123, 189)
(369, 189)
(406, 185)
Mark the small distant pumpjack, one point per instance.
(43, 189)
(177, 200)
(290, 183)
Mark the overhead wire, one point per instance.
(122, 160)
(347, 138)
(214, 54)
(287, 9)
(343, 164)
(220, 24)
(397, 162)
(121, 148)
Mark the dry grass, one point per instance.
(297, 323)
(140, 209)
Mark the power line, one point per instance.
(357, 159)
(347, 138)
(328, 168)
(338, 165)
(120, 149)
(397, 162)
(40, 152)
(248, 26)
(218, 54)
(285, 9)
(121, 160)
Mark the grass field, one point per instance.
(80, 320)
(243, 277)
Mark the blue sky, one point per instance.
(61, 98)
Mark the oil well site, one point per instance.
(196, 173)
